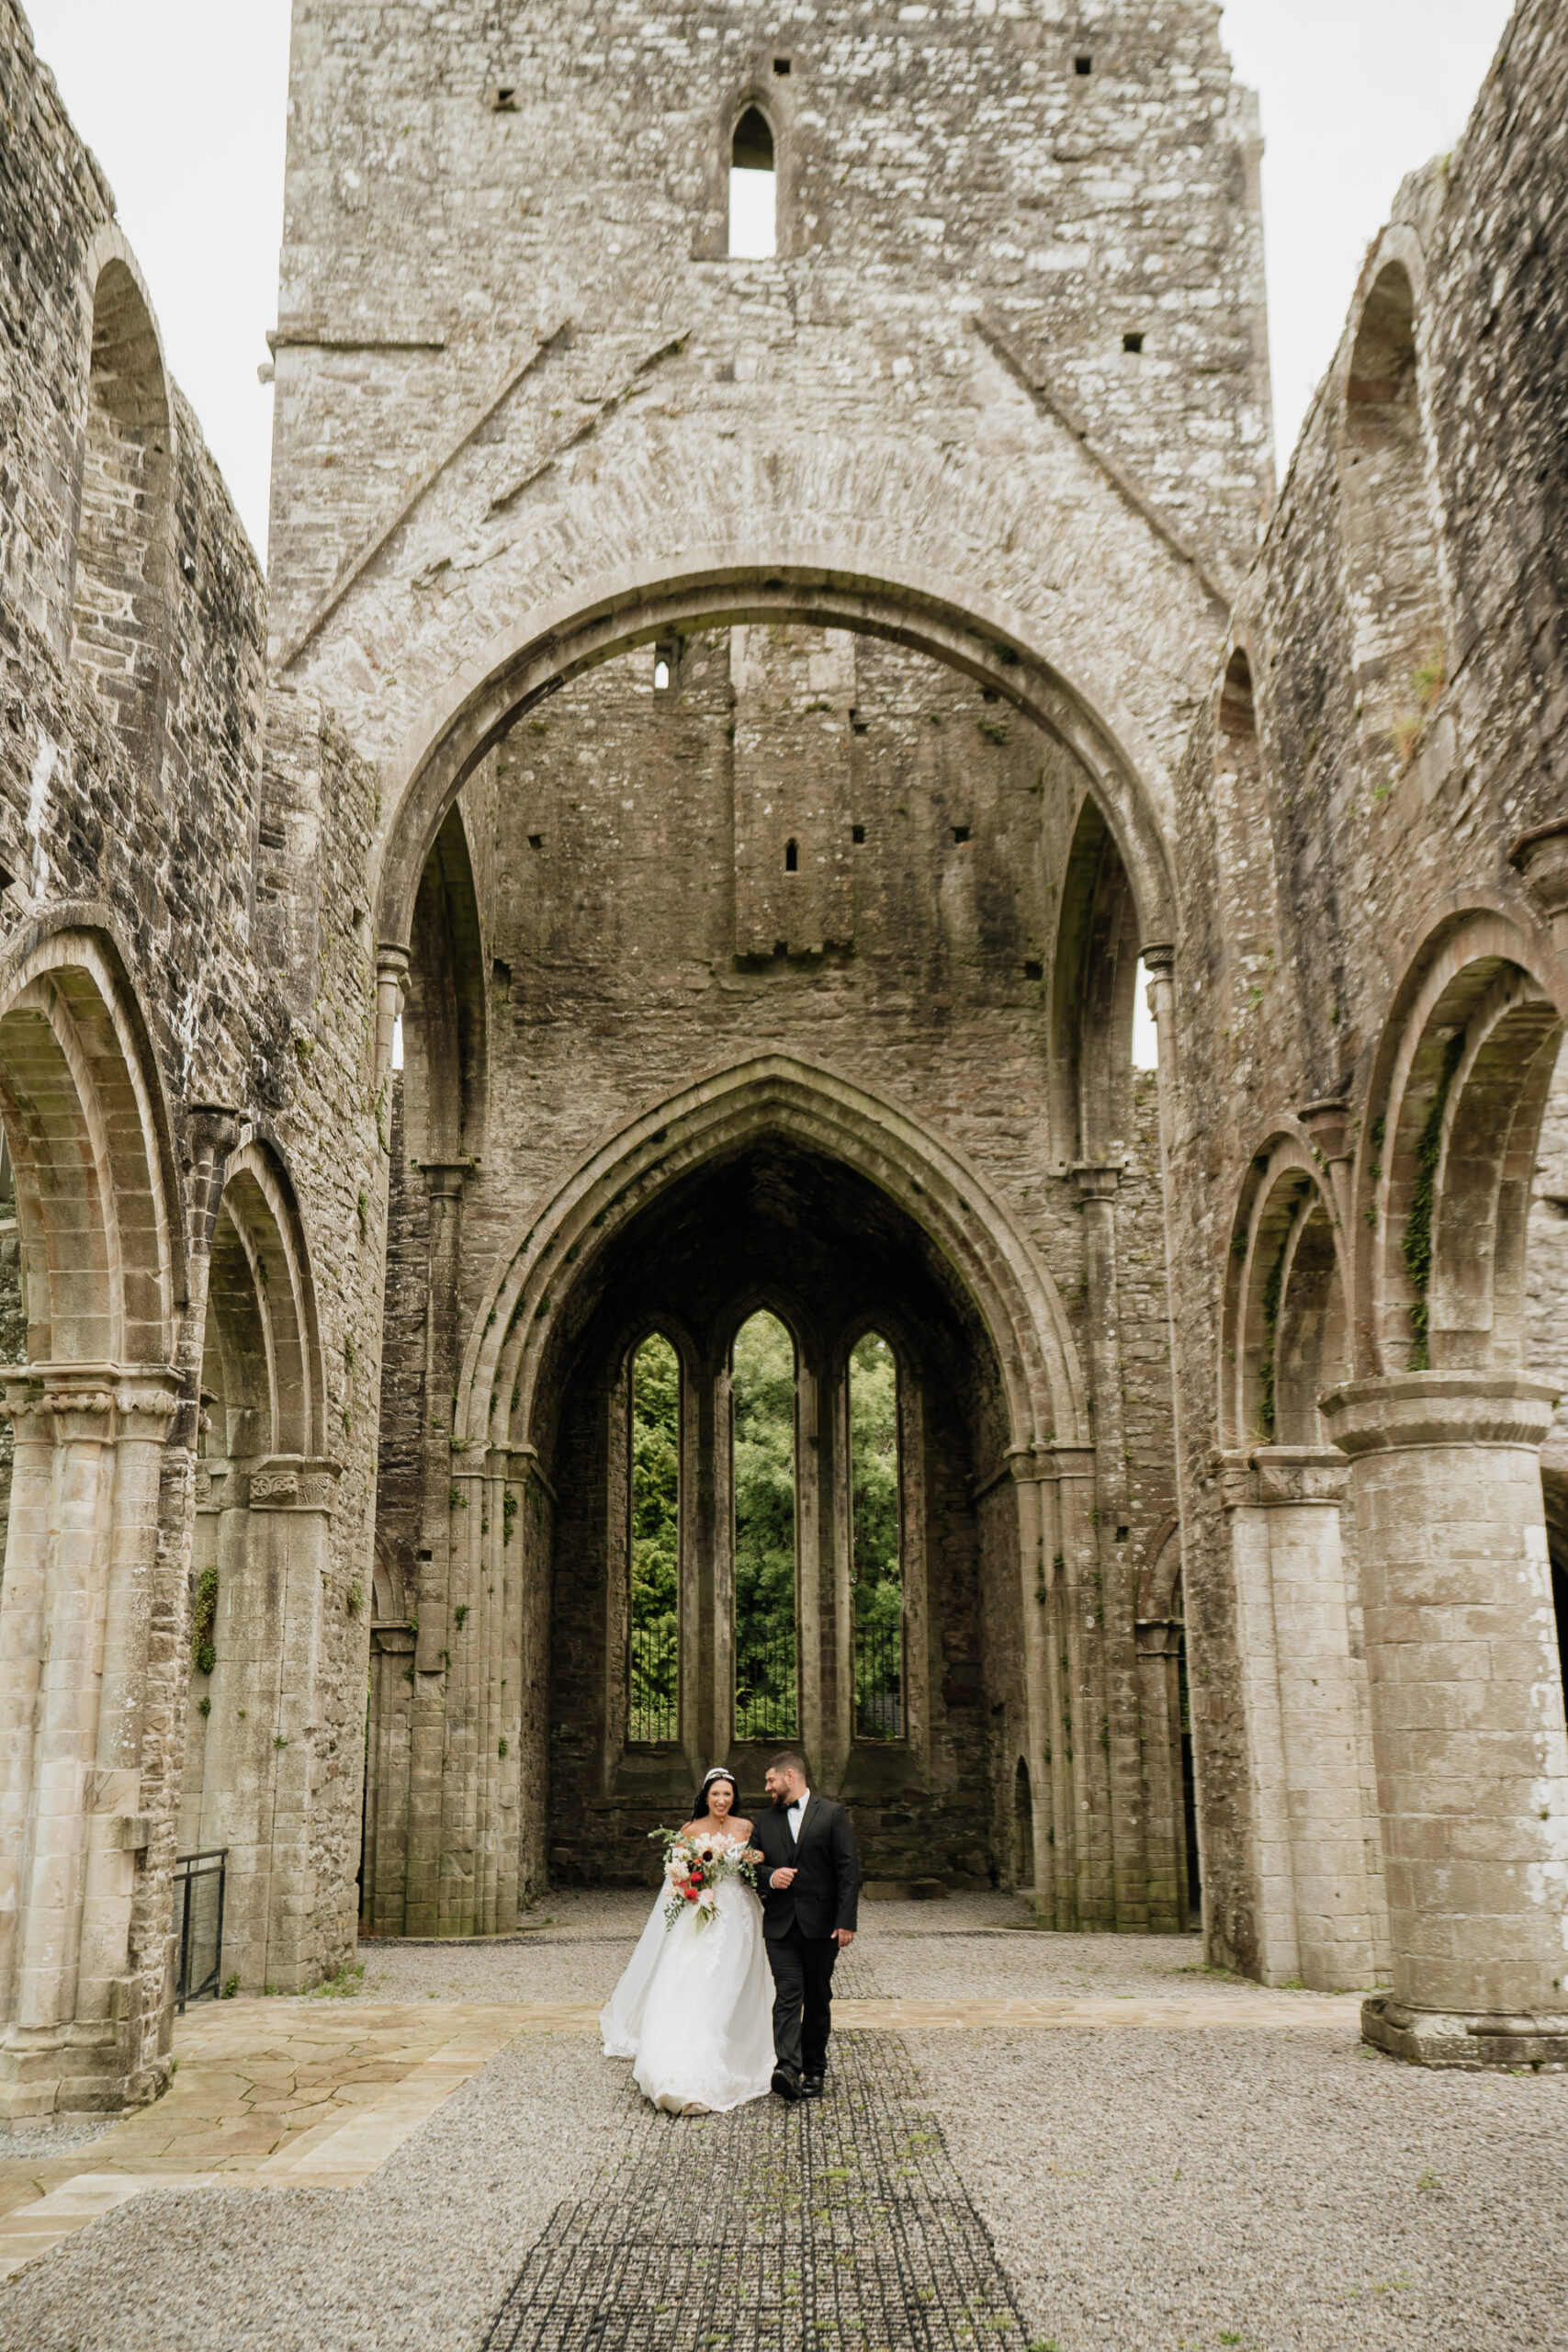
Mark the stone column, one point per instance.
(1298, 1494)
(1160, 1685)
(66, 1730)
(1119, 1732)
(86, 1508)
(292, 1503)
(1159, 963)
(440, 1807)
(1034, 1491)
(23, 1594)
(1467, 1713)
(1081, 1778)
(391, 988)
(119, 1832)
(1258, 1650)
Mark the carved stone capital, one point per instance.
(294, 1482)
(1327, 1125)
(1442, 1408)
(1097, 1180)
(1159, 959)
(212, 1130)
(1300, 1474)
(100, 1401)
(444, 1178)
(392, 966)
(1237, 1480)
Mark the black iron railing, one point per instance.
(198, 1923)
(879, 1681)
(765, 1684)
(654, 1714)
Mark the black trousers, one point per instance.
(803, 1999)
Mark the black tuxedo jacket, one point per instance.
(825, 1891)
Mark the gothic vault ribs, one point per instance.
(838, 2227)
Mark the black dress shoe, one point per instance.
(786, 2084)
(812, 2086)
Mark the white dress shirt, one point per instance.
(797, 1813)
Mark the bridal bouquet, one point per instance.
(695, 1868)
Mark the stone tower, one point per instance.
(777, 660)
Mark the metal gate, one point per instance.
(198, 1924)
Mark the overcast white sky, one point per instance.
(183, 101)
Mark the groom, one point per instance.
(810, 1882)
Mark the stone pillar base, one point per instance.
(1438, 2037)
(71, 2070)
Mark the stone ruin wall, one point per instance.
(1304, 906)
(627, 847)
(229, 899)
(456, 196)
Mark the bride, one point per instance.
(695, 2007)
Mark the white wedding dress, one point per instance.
(694, 2007)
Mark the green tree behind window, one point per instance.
(763, 1393)
(878, 1574)
(655, 1541)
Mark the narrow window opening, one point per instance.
(397, 1042)
(665, 660)
(961, 832)
(857, 832)
(653, 1713)
(762, 1426)
(875, 1519)
(753, 219)
(1083, 65)
(1145, 1032)
(1132, 343)
(661, 675)
(792, 858)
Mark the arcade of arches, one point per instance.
(810, 1032)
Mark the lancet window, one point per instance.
(763, 1402)
(875, 1523)
(653, 1699)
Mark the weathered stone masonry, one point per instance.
(727, 732)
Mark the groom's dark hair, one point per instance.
(789, 1759)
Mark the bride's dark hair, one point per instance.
(700, 1801)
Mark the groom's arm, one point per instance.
(768, 1865)
(846, 1873)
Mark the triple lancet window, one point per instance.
(753, 184)
(840, 1512)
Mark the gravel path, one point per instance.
(57, 2135)
(420, 2256)
(1283, 2192)
(1146, 2192)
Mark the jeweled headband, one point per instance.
(721, 1772)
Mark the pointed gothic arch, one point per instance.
(528, 662)
(940, 1189)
